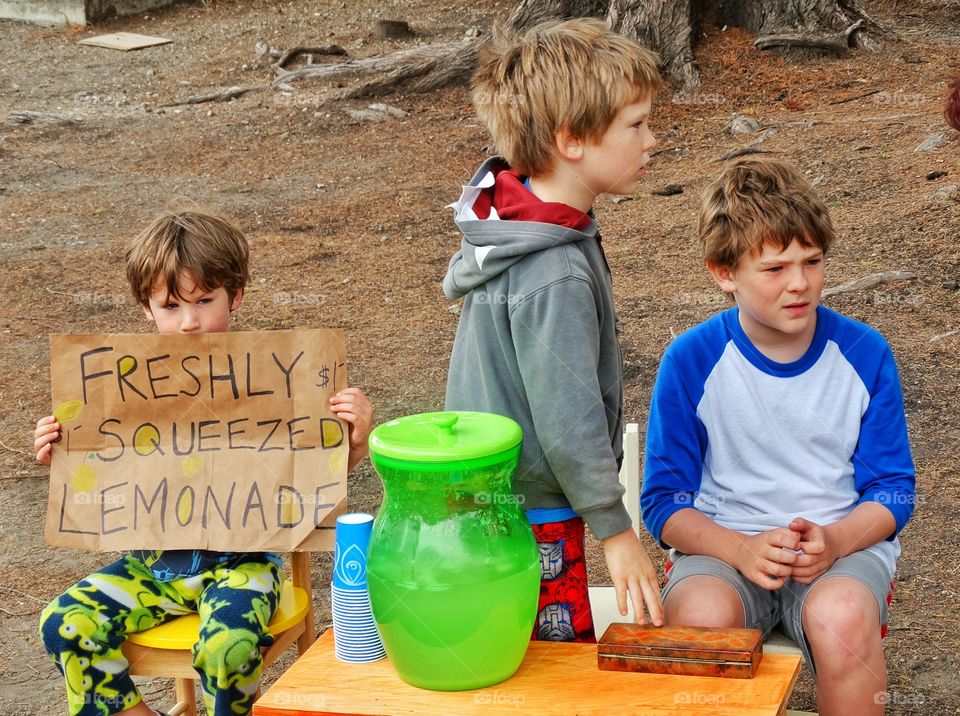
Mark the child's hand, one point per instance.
(766, 559)
(818, 551)
(46, 434)
(631, 571)
(353, 406)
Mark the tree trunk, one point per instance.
(664, 26)
(668, 27)
(532, 12)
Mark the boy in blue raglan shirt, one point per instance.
(777, 466)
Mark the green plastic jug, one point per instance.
(452, 568)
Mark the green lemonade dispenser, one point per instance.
(452, 569)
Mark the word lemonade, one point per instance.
(222, 441)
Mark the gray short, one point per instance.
(766, 610)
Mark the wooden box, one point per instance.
(692, 651)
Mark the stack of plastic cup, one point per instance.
(355, 634)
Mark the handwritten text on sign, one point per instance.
(221, 441)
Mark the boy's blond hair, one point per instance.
(573, 75)
(756, 200)
(206, 247)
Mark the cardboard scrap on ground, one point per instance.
(124, 41)
(221, 441)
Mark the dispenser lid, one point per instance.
(445, 437)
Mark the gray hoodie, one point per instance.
(537, 341)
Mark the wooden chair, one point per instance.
(603, 598)
(165, 650)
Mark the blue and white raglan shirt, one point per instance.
(753, 443)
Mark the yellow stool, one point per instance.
(165, 650)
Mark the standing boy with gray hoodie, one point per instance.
(567, 105)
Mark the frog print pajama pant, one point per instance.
(83, 628)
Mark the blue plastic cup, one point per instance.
(350, 550)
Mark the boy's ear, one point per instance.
(724, 277)
(148, 312)
(569, 146)
(235, 303)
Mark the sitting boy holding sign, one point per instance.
(187, 270)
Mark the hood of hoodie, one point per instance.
(502, 222)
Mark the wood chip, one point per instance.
(124, 41)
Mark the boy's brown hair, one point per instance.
(573, 75)
(207, 247)
(757, 200)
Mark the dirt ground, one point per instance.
(349, 231)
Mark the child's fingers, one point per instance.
(651, 597)
(46, 439)
(45, 421)
(621, 590)
(43, 455)
(346, 415)
(46, 428)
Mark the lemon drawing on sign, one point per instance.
(192, 465)
(65, 412)
(83, 478)
(332, 432)
(287, 509)
(185, 506)
(336, 461)
(127, 365)
(146, 440)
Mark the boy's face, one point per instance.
(614, 163)
(777, 293)
(192, 310)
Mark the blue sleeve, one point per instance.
(882, 466)
(676, 444)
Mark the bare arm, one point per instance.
(765, 559)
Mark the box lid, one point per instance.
(680, 643)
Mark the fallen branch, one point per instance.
(10, 449)
(838, 43)
(869, 281)
(424, 68)
(278, 66)
(223, 96)
(856, 96)
(941, 336)
(25, 116)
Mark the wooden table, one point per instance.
(554, 678)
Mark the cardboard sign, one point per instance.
(221, 441)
